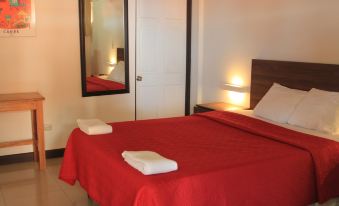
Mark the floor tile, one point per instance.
(38, 185)
(66, 186)
(25, 185)
(10, 176)
(76, 194)
(18, 166)
(53, 162)
(84, 202)
(51, 199)
(53, 171)
(2, 202)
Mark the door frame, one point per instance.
(188, 58)
(188, 64)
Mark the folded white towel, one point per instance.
(94, 126)
(149, 163)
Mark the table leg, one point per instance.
(41, 135)
(35, 135)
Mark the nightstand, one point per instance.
(216, 106)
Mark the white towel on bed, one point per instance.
(149, 163)
(94, 126)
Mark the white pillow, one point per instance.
(118, 73)
(279, 103)
(319, 110)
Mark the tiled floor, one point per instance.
(24, 185)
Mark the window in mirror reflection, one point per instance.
(104, 45)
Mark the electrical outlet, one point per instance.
(48, 127)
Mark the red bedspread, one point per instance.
(95, 84)
(224, 159)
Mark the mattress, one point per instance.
(250, 113)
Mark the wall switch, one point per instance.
(48, 127)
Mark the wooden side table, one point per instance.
(216, 106)
(34, 103)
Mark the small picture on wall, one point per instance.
(17, 18)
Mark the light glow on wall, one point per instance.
(112, 62)
(234, 97)
(111, 67)
(236, 74)
(238, 81)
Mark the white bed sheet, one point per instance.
(332, 202)
(291, 127)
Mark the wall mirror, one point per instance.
(104, 47)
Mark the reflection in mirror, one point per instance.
(104, 47)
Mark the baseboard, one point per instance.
(27, 157)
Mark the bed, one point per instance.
(97, 84)
(102, 82)
(224, 158)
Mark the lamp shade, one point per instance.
(235, 88)
(111, 64)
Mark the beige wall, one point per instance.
(227, 34)
(236, 31)
(50, 63)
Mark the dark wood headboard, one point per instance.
(296, 75)
(120, 54)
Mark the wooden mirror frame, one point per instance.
(83, 54)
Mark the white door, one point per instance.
(161, 58)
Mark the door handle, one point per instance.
(139, 78)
